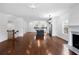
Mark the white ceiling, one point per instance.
(42, 9)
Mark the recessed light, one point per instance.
(32, 6)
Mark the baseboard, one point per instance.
(62, 39)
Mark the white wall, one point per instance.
(74, 15)
(30, 19)
(20, 25)
(54, 31)
(3, 33)
(58, 26)
(18, 22)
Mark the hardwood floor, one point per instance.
(29, 45)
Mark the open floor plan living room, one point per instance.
(39, 28)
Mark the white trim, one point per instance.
(73, 49)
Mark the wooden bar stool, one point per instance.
(11, 40)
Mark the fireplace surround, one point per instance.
(73, 42)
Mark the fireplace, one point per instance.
(75, 40)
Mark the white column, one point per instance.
(70, 39)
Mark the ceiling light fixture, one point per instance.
(32, 6)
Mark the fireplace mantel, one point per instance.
(73, 25)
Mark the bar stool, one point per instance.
(11, 40)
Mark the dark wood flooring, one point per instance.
(31, 45)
